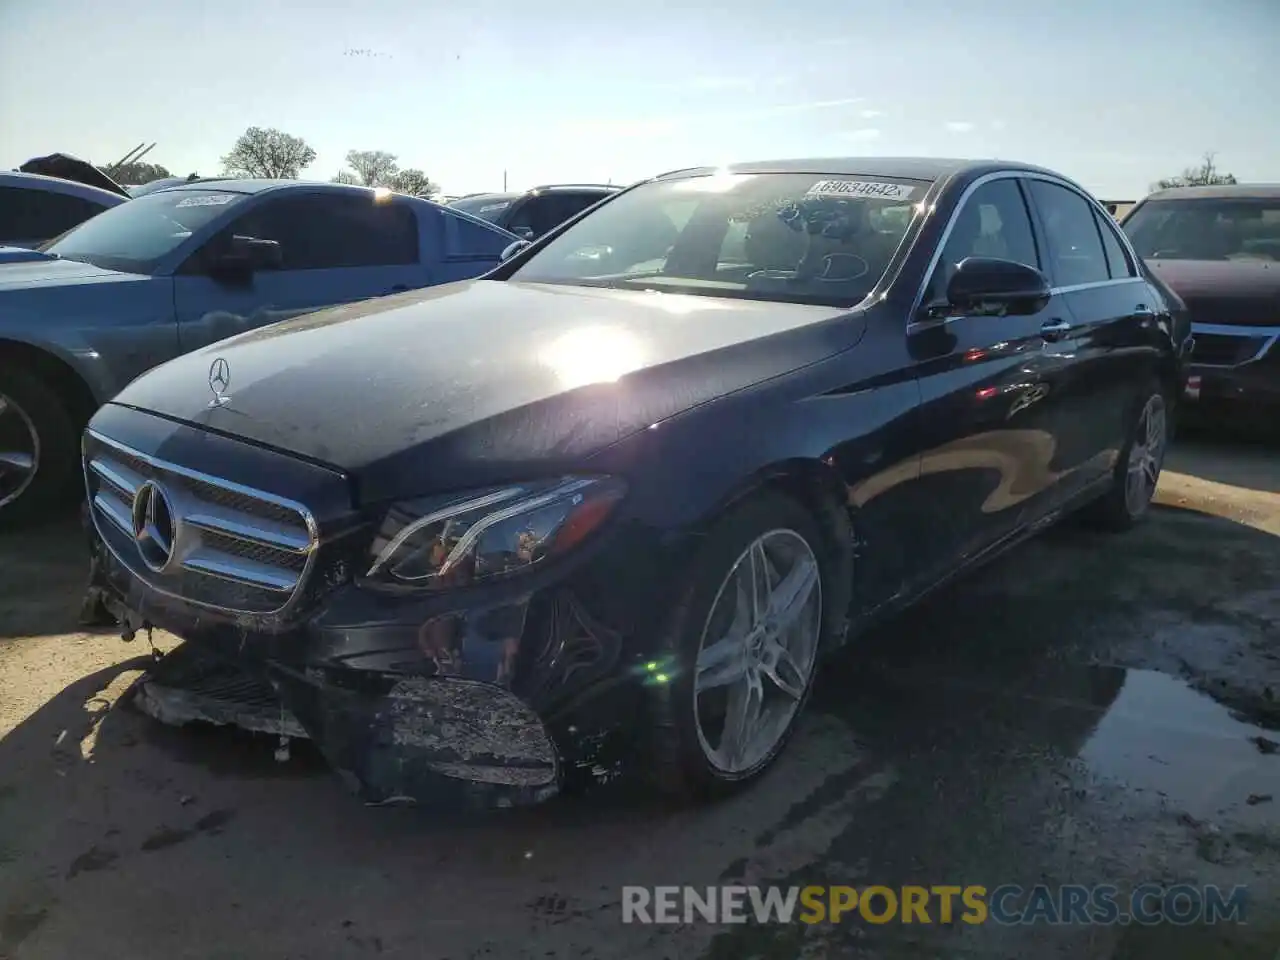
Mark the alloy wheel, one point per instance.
(757, 652)
(19, 450)
(1146, 456)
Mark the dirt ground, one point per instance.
(1089, 709)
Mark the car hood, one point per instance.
(1241, 292)
(21, 273)
(478, 381)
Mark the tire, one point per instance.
(1122, 506)
(34, 423)
(690, 757)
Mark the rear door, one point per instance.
(990, 392)
(1108, 343)
(334, 249)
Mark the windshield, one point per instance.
(1206, 229)
(137, 234)
(489, 207)
(801, 238)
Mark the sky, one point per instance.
(1113, 93)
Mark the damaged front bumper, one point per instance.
(489, 704)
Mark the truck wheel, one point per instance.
(740, 657)
(39, 454)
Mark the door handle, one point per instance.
(1055, 329)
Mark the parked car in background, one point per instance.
(534, 212)
(1218, 248)
(166, 273)
(623, 491)
(34, 209)
(1118, 208)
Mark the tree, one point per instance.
(136, 174)
(1205, 175)
(373, 168)
(268, 153)
(413, 182)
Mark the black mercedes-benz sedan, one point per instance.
(617, 498)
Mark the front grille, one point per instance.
(205, 540)
(1225, 350)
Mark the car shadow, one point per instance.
(45, 572)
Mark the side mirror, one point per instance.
(244, 257)
(987, 285)
(511, 249)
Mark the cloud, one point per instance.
(864, 134)
(958, 126)
(997, 124)
(872, 114)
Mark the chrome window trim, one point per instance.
(1014, 174)
(310, 551)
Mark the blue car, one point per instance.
(175, 270)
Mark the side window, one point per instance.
(1075, 248)
(40, 214)
(994, 222)
(56, 213)
(318, 232)
(1117, 261)
(523, 221)
(12, 214)
(573, 204)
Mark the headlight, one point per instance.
(487, 533)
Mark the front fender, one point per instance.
(108, 332)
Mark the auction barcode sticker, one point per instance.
(209, 200)
(869, 189)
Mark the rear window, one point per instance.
(801, 238)
(1220, 229)
(486, 208)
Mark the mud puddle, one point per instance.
(1163, 738)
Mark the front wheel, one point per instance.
(744, 647)
(1138, 470)
(38, 450)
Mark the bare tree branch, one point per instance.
(268, 153)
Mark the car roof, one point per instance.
(1229, 191)
(251, 186)
(907, 168)
(601, 188)
(38, 181)
(497, 197)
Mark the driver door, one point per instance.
(334, 249)
(990, 418)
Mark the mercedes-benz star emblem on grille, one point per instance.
(153, 525)
(219, 381)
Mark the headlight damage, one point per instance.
(489, 533)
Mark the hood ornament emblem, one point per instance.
(219, 381)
